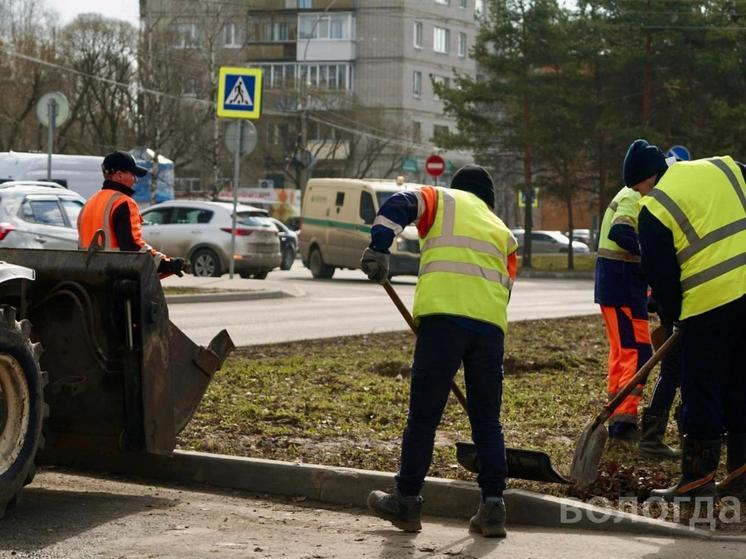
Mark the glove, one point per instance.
(376, 265)
(176, 266)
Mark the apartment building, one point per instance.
(348, 83)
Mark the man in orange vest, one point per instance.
(113, 211)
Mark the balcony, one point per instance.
(270, 51)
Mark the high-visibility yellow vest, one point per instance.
(703, 203)
(464, 262)
(623, 209)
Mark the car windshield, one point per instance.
(252, 220)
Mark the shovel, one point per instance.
(592, 440)
(522, 464)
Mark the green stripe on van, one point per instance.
(337, 224)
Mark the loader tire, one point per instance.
(22, 406)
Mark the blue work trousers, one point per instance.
(442, 345)
(713, 386)
(669, 378)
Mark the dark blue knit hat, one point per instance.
(643, 160)
(477, 180)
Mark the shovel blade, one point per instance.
(588, 453)
(531, 465)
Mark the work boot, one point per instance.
(651, 438)
(624, 431)
(490, 518)
(735, 484)
(402, 511)
(699, 463)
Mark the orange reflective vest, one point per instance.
(97, 215)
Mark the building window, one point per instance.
(479, 7)
(462, 45)
(444, 2)
(462, 4)
(186, 35)
(441, 39)
(441, 80)
(439, 130)
(418, 34)
(416, 130)
(276, 31)
(319, 26)
(417, 84)
(305, 4)
(230, 36)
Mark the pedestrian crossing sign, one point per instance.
(239, 92)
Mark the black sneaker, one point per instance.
(490, 519)
(402, 511)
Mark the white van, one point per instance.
(82, 173)
(336, 218)
(79, 173)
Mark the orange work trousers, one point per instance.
(629, 349)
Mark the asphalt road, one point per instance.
(69, 516)
(350, 304)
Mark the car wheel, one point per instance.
(319, 270)
(22, 406)
(261, 275)
(205, 263)
(288, 257)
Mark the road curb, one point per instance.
(347, 486)
(226, 297)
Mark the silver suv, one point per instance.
(38, 214)
(201, 231)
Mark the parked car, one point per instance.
(549, 242)
(201, 231)
(288, 243)
(583, 235)
(38, 214)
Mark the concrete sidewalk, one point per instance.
(347, 486)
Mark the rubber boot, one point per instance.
(653, 429)
(490, 518)
(699, 462)
(735, 484)
(402, 511)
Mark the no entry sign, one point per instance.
(435, 166)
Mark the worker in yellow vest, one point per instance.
(692, 228)
(467, 268)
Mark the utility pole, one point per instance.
(301, 150)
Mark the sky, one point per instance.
(117, 9)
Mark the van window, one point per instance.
(367, 209)
(382, 196)
(340, 201)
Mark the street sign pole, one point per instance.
(52, 114)
(236, 172)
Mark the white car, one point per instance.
(39, 214)
(549, 242)
(201, 231)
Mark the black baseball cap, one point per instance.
(122, 161)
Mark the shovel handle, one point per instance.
(640, 377)
(408, 317)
